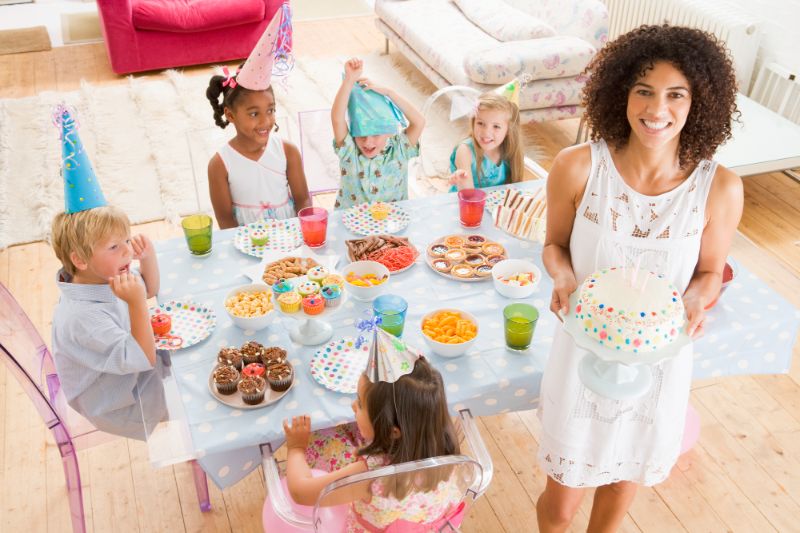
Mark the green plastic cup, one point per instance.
(520, 323)
(197, 230)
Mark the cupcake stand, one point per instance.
(616, 374)
(311, 330)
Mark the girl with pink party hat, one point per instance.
(256, 175)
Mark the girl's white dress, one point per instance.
(589, 440)
(259, 189)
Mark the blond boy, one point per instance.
(103, 344)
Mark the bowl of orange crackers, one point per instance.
(449, 332)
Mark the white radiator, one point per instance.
(719, 17)
(778, 89)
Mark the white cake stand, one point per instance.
(612, 373)
(311, 330)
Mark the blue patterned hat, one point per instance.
(371, 113)
(81, 189)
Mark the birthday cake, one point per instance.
(638, 312)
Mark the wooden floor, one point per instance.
(743, 475)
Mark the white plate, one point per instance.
(254, 272)
(392, 272)
(339, 364)
(235, 400)
(573, 326)
(284, 236)
(191, 323)
(358, 220)
(429, 259)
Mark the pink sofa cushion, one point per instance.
(187, 16)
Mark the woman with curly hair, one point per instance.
(644, 191)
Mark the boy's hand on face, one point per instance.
(353, 68)
(298, 434)
(127, 288)
(142, 247)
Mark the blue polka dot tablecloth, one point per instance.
(750, 331)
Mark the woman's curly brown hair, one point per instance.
(699, 56)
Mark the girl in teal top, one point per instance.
(495, 141)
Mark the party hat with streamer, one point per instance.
(389, 357)
(271, 55)
(510, 91)
(81, 189)
(371, 113)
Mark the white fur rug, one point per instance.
(150, 141)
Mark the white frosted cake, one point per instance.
(629, 311)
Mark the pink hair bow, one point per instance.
(229, 81)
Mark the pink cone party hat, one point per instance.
(271, 55)
(81, 189)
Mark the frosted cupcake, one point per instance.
(258, 237)
(273, 354)
(317, 274)
(225, 379)
(281, 286)
(290, 302)
(252, 389)
(379, 210)
(308, 287)
(333, 279)
(313, 305)
(231, 357)
(332, 295)
(254, 369)
(251, 352)
(280, 376)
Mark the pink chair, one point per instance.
(27, 358)
(155, 34)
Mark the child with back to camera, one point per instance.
(373, 156)
(103, 344)
(403, 421)
(495, 140)
(257, 175)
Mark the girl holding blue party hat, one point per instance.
(374, 150)
(256, 175)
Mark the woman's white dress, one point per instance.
(259, 189)
(589, 440)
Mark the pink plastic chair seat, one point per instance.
(335, 516)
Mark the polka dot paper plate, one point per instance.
(284, 236)
(338, 365)
(191, 323)
(359, 220)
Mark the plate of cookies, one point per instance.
(376, 218)
(252, 376)
(395, 253)
(257, 238)
(464, 257)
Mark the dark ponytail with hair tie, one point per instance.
(213, 93)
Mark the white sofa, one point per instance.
(450, 49)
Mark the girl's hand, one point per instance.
(353, 69)
(695, 316)
(460, 179)
(563, 286)
(366, 83)
(142, 247)
(127, 288)
(298, 433)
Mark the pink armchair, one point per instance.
(154, 34)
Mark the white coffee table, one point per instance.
(763, 141)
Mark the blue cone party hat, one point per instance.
(81, 189)
(371, 113)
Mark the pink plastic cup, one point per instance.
(470, 205)
(314, 225)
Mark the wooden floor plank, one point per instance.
(113, 499)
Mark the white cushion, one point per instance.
(553, 57)
(504, 22)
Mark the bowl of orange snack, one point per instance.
(449, 332)
(365, 280)
(251, 307)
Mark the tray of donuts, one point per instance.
(467, 257)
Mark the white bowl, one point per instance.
(510, 267)
(361, 268)
(257, 322)
(450, 350)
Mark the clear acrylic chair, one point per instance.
(467, 479)
(27, 359)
